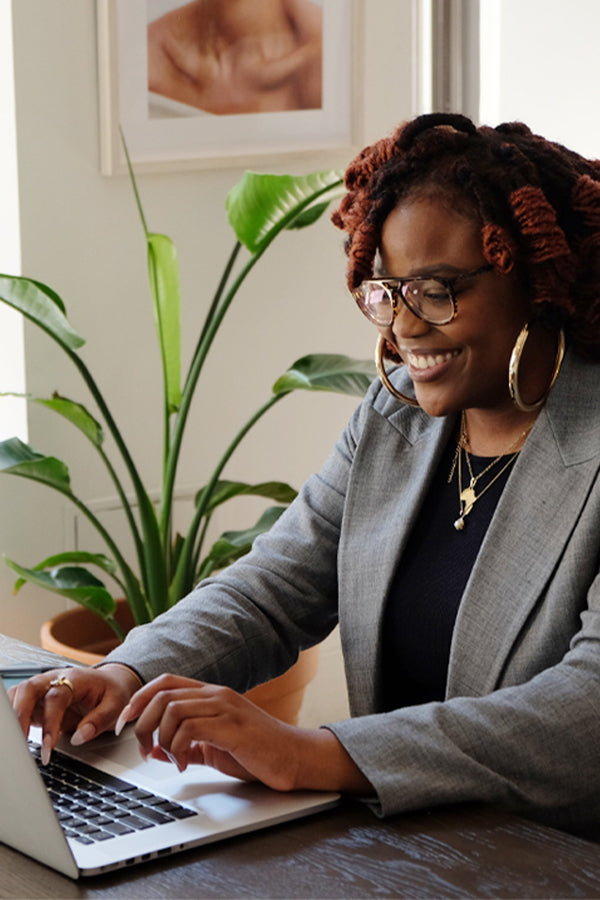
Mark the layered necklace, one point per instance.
(467, 496)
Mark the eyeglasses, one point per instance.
(431, 298)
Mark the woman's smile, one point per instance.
(424, 365)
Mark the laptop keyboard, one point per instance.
(92, 805)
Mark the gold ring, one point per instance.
(63, 681)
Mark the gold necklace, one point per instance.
(467, 496)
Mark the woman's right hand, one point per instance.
(86, 704)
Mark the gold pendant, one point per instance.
(467, 499)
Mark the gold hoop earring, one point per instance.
(410, 401)
(515, 362)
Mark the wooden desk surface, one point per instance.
(343, 853)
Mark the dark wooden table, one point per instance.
(343, 853)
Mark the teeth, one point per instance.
(427, 362)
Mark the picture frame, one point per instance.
(165, 135)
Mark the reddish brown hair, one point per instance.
(537, 201)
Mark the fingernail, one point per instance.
(46, 749)
(83, 734)
(174, 761)
(122, 720)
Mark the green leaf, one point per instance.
(73, 556)
(226, 490)
(327, 372)
(260, 205)
(163, 273)
(74, 412)
(234, 544)
(77, 415)
(17, 458)
(51, 294)
(73, 582)
(310, 215)
(41, 305)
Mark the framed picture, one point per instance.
(205, 83)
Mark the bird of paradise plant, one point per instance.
(167, 564)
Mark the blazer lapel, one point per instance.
(396, 459)
(539, 506)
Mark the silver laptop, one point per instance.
(111, 809)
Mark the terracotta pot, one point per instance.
(81, 636)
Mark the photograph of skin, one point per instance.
(242, 56)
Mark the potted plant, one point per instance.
(167, 564)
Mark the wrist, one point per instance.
(127, 676)
(325, 765)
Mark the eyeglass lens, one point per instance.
(428, 299)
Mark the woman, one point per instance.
(453, 532)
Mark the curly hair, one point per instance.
(538, 203)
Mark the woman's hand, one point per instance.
(85, 704)
(195, 722)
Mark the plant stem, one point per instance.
(170, 460)
(215, 301)
(126, 507)
(190, 386)
(110, 620)
(139, 606)
(184, 575)
(153, 570)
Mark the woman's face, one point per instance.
(462, 365)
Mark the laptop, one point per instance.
(111, 809)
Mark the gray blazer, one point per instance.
(520, 725)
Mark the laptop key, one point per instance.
(139, 794)
(182, 812)
(103, 836)
(136, 823)
(149, 812)
(118, 828)
(99, 820)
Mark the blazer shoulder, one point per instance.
(573, 410)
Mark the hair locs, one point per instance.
(537, 201)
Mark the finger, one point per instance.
(27, 698)
(159, 754)
(214, 715)
(109, 702)
(56, 701)
(195, 755)
(165, 756)
(143, 697)
(163, 715)
(100, 719)
(226, 763)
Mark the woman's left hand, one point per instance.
(195, 722)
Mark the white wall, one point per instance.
(540, 64)
(80, 234)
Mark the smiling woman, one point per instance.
(455, 540)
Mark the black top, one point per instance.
(429, 582)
